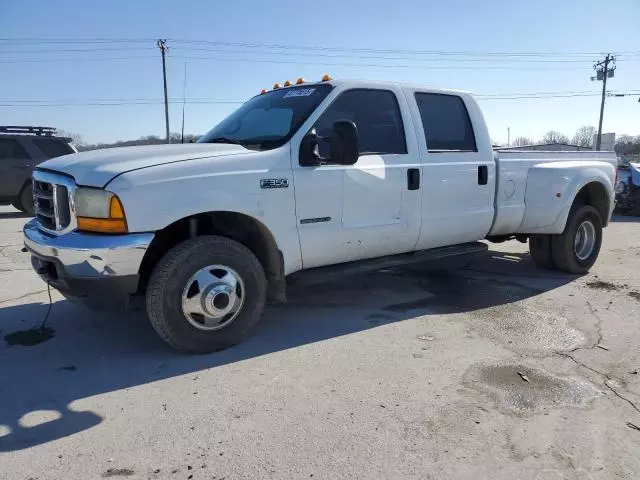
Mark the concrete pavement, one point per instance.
(482, 367)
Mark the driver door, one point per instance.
(365, 210)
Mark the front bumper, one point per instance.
(101, 270)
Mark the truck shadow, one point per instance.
(94, 353)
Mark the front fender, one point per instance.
(552, 188)
(156, 197)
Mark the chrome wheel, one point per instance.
(585, 240)
(213, 297)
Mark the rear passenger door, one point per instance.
(458, 169)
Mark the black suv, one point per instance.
(21, 150)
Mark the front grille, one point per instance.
(51, 195)
(43, 193)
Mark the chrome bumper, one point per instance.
(89, 256)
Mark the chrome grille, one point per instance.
(44, 205)
(53, 201)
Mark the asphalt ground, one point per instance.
(481, 367)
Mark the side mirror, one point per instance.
(345, 144)
(308, 147)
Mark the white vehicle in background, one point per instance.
(300, 177)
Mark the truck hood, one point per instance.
(96, 168)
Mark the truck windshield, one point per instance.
(268, 120)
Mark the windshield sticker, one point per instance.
(301, 92)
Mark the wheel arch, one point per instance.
(595, 194)
(239, 227)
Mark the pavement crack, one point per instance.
(607, 378)
(22, 296)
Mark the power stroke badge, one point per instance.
(274, 183)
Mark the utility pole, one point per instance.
(162, 45)
(603, 71)
(508, 136)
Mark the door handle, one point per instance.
(413, 179)
(483, 174)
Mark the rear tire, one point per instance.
(540, 250)
(172, 278)
(576, 249)
(24, 202)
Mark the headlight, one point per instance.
(99, 211)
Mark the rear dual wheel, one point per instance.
(576, 249)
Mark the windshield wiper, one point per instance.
(224, 140)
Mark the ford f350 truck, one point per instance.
(299, 177)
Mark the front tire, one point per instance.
(206, 294)
(576, 249)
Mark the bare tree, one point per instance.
(76, 138)
(553, 136)
(624, 138)
(584, 136)
(521, 141)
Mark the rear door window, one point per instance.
(52, 147)
(446, 123)
(11, 149)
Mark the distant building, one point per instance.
(549, 147)
(607, 143)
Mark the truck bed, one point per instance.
(534, 188)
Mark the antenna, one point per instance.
(184, 100)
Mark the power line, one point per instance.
(298, 54)
(376, 65)
(115, 104)
(378, 57)
(74, 60)
(133, 102)
(296, 47)
(74, 50)
(420, 52)
(74, 40)
(295, 62)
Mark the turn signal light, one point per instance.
(102, 225)
(300, 80)
(326, 77)
(116, 223)
(116, 212)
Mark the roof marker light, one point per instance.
(276, 86)
(300, 80)
(326, 77)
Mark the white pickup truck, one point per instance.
(300, 177)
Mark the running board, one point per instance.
(332, 272)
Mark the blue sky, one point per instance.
(565, 29)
